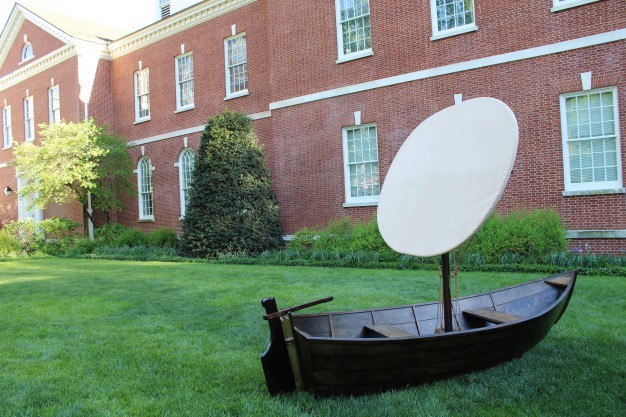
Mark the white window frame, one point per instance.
(143, 214)
(457, 30)
(608, 186)
(342, 56)
(184, 190)
(349, 199)
(139, 118)
(29, 119)
(54, 113)
(27, 52)
(558, 5)
(242, 92)
(7, 131)
(179, 83)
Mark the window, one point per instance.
(27, 51)
(7, 134)
(142, 95)
(25, 208)
(54, 104)
(567, 4)
(591, 140)
(186, 163)
(236, 66)
(29, 119)
(360, 148)
(144, 184)
(451, 17)
(354, 37)
(184, 81)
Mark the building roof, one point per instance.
(77, 28)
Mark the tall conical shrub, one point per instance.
(231, 207)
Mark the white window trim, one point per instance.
(50, 101)
(349, 200)
(180, 108)
(589, 188)
(31, 57)
(180, 166)
(341, 56)
(22, 205)
(137, 171)
(559, 5)
(458, 30)
(239, 93)
(136, 94)
(31, 107)
(7, 138)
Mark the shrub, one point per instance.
(519, 235)
(29, 236)
(130, 238)
(8, 244)
(232, 207)
(341, 236)
(163, 237)
(106, 234)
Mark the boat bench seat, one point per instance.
(492, 315)
(387, 330)
(559, 281)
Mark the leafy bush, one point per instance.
(29, 235)
(106, 234)
(519, 235)
(232, 207)
(130, 238)
(341, 236)
(8, 244)
(163, 237)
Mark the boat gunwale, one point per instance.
(566, 292)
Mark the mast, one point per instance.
(447, 297)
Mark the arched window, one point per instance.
(186, 163)
(27, 51)
(144, 184)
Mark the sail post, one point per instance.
(447, 296)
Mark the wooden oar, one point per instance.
(296, 308)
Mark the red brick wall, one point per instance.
(207, 43)
(43, 43)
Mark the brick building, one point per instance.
(334, 88)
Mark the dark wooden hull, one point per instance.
(343, 354)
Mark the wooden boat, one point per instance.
(348, 353)
(442, 185)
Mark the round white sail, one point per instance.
(448, 177)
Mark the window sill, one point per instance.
(7, 147)
(138, 121)
(354, 56)
(594, 192)
(184, 109)
(453, 32)
(571, 4)
(361, 204)
(238, 94)
(26, 60)
(595, 234)
(146, 220)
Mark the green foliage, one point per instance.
(8, 244)
(73, 160)
(131, 238)
(163, 237)
(232, 207)
(341, 236)
(29, 235)
(522, 235)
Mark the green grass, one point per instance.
(114, 338)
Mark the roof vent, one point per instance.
(164, 6)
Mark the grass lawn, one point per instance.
(112, 338)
